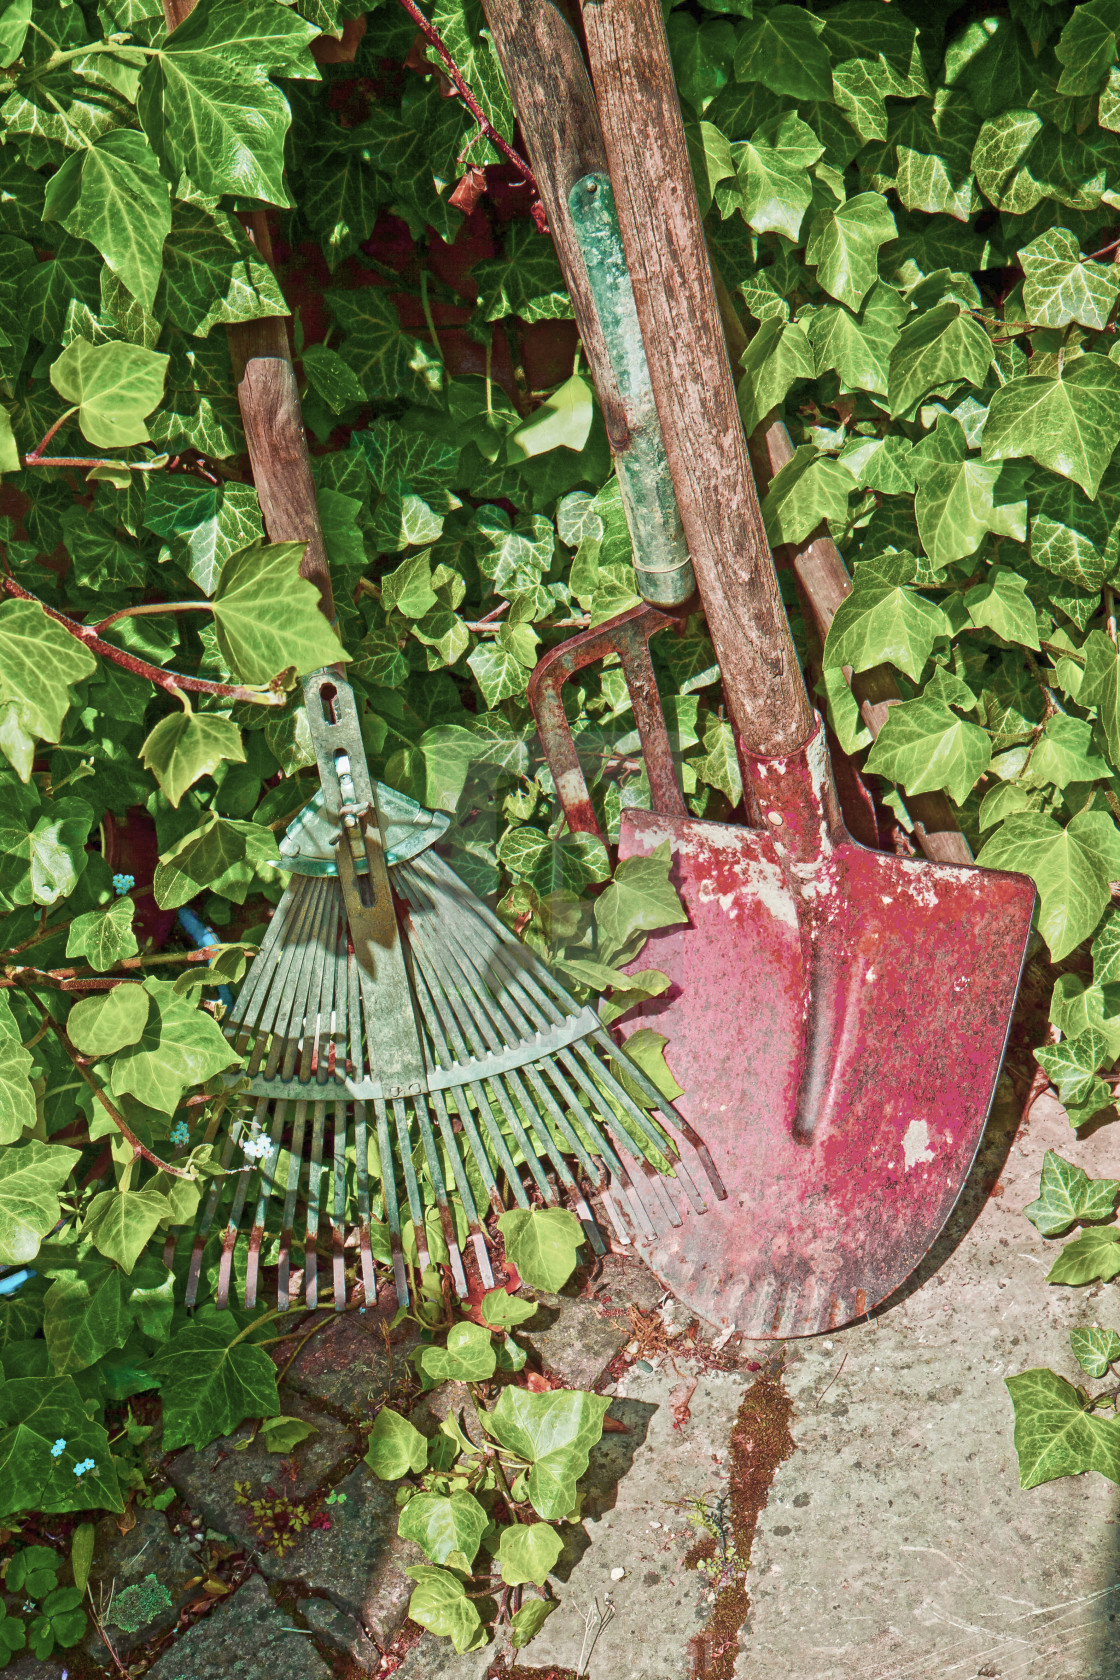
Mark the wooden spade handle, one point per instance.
(693, 387)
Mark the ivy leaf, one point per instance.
(528, 1551)
(563, 421)
(554, 1434)
(213, 275)
(1054, 1434)
(1095, 1350)
(267, 617)
(1069, 422)
(181, 1046)
(940, 349)
(468, 1356)
(925, 746)
(1100, 686)
(331, 378)
(439, 1603)
(499, 672)
(222, 856)
(773, 169)
(441, 1525)
(525, 280)
(104, 937)
(1072, 1065)
(809, 488)
(115, 387)
(503, 1311)
(640, 899)
(39, 661)
(121, 1223)
(37, 1411)
(104, 1023)
(1000, 603)
(1066, 1194)
(1058, 287)
(542, 1244)
(858, 346)
(408, 589)
(843, 246)
(1071, 867)
(777, 356)
(208, 1385)
(203, 524)
(31, 1175)
(782, 49)
(14, 21)
(388, 363)
(720, 765)
(55, 852)
(882, 622)
(960, 499)
(187, 745)
(529, 1620)
(1087, 47)
(395, 1446)
(17, 1094)
(1064, 753)
(1094, 1255)
(112, 194)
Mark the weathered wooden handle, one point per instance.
(268, 397)
(695, 393)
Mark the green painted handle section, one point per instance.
(661, 563)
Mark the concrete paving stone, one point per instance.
(121, 1561)
(627, 1281)
(897, 1543)
(246, 1638)
(577, 1344)
(350, 1364)
(341, 1632)
(437, 1659)
(206, 1479)
(27, 1667)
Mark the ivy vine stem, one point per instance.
(171, 681)
(432, 35)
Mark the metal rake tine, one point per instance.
(289, 987)
(435, 1024)
(274, 975)
(314, 1192)
(313, 976)
(261, 968)
(352, 1050)
(415, 1205)
(595, 1071)
(295, 1162)
(264, 1193)
(320, 1006)
(229, 1235)
(338, 1208)
(206, 1219)
(466, 1194)
(552, 1152)
(361, 1189)
(435, 1172)
(665, 1108)
(389, 1192)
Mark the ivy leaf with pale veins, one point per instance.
(104, 937)
(31, 1175)
(960, 498)
(777, 356)
(639, 900)
(1059, 287)
(395, 1446)
(1100, 687)
(858, 346)
(1071, 867)
(439, 1603)
(213, 276)
(1093, 1256)
(441, 1525)
(1087, 46)
(940, 349)
(1000, 602)
(884, 622)
(925, 746)
(1065, 752)
(1095, 1350)
(104, 1023)
(17, 1094)
(809, 488)
(468, 1356)
(524, 281)
(388, 362)
(1072, 1065)
(39, 662)
(1069, 422)
(207, 1385)
(542, 1244)
(267, 617)
(1067, 1194)
(844, 243)
(121, 1223)
(187, 745)
(203, 524)
(112, 194)
(114, 387)
(773, 169)
(783, 50)
(553, 1433)
(1055, 1435)
(528, 1551)
(181, 1046)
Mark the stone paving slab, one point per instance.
(121, 1561)
(896, 1544)
(246, 1638)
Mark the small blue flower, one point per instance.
(59, 1448)
(86, 1464)
(256, 1147)
(180, 1134)
(123, 884)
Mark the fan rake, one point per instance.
(388, 996)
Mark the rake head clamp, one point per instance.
(388, 1002)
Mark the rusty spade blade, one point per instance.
(837, 1017)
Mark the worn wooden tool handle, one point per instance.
(268, 397)
(664, 241)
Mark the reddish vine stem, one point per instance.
(171, 681)
(432, 35)
(35, 456)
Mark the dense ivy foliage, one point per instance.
(917, 210)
